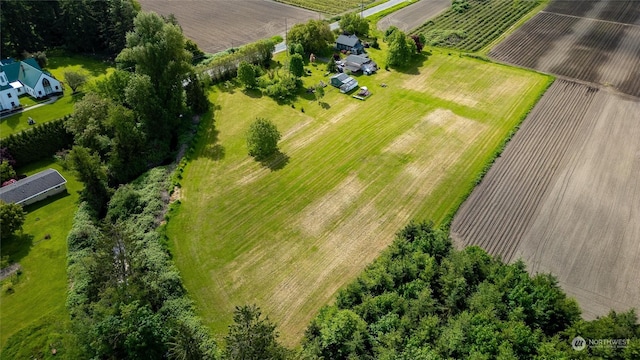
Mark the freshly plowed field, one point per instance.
(414, 15)
(627, 12)
(583, 48)
(216, 25)
(565, 197)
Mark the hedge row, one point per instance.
(38, 143)
(225, 66)
(103, 299)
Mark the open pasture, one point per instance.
(565, 197)
(288, 235)
(216, 25)
(414, 15)
(583, 48)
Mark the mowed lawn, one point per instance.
(57, 65)
(288, 237)
(38, 298)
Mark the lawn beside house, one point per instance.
(36, 301)
(57, 65)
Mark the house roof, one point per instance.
(31, 186)
(348, 40)
(28, 71)
(342, 77)
(357, 59)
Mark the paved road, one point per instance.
(368, 12)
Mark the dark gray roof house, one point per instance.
(349, 43)
(34, 188)
(356, 63)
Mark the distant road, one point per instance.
(368, 12)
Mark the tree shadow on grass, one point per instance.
(276, 161)
(325, 105)
(16, 246)
(253, 93)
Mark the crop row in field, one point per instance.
(475, 27)
(590, 50)
(623, 11)
(332, 7)
(565, 197)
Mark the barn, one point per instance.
(34, 188)
(344, 82)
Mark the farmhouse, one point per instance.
(344, 82)
(349, 43)
(356, 63)
(34, 188)
(24, 77)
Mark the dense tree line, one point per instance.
(126, 298)
(37, 143)
(422, 299)
(86, 26)
(131, 120)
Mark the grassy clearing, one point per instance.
(58, 64)
(353, 173)
(39, 294)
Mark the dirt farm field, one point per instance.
(565, 197)
(412, 16)
(216, 25)
(598, 42)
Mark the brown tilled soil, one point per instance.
(596, 42)
(216, 25)
(565, 197)
(412, 16)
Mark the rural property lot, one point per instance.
(414, 15)
(355, 173)
(596, 41)
(565, 197)
(216, 25)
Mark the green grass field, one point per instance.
(39, 294)
(289, 235)
(58, 64)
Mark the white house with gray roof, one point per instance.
(24, 77)
(34, 188)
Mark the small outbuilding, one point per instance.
(344, 82)
(349, 43)
(34, 188)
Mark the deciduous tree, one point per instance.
(352, 23)
(247, 75)
(313, 35)
(262, 139)
(296, 65)
(12, 218)
(74, 79)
